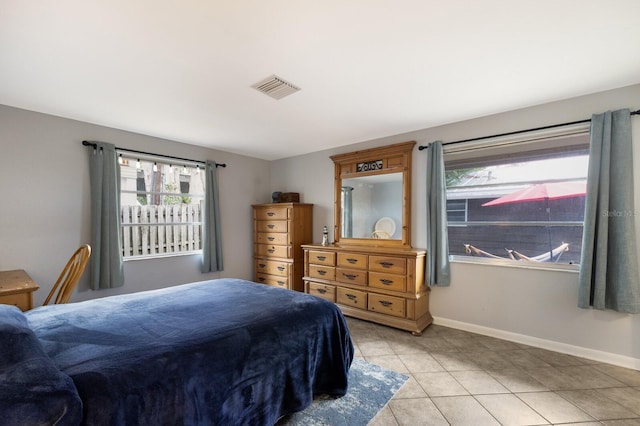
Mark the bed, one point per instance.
(218, 352)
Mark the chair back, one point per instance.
(70, 276)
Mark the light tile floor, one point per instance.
(462, 378)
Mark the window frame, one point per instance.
(463, 154)
(127, 159)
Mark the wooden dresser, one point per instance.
(279, 230)
(379, 284)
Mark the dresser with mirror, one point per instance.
(371, 271)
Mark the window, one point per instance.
(162, 208)
(497, 207)
(457, 210)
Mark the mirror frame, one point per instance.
(368, 162)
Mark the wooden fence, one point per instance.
(158, 229)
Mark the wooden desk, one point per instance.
(16, 288)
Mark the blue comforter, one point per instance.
(223, 352)
(32, 389)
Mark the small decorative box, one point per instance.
(289, 197)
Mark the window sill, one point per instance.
(161, 255)
(518, 264)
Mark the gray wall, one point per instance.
(44, 199)
(527, 305)
(44, 202)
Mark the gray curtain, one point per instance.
(212, 239)
(438, 269)
(347, 212)
(106, 249)
(609, 277)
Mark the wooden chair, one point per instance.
(70, 275)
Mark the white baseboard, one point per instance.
(592, 354)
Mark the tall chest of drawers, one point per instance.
(279, 230)
(383, 285)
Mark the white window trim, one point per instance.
(162, 255)
(159, 158)
(167, 161)
(453, 151)
(470, 149)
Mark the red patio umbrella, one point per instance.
(541, 192)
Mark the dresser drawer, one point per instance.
(273, 251)
(323, 272)
(391, 265)
(274, 280)
(281, 239)
(271, 212)
(351, 276)
(348, 296)
(387, 281)
(352, 260)
(387, 304)
(272, 267)
(272, 226)
(322, 258)
(324, 291)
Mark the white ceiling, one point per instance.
(182, 70)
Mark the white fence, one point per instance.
(149, 230)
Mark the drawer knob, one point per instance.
(261, 279)
(385, 303)
(270, 238)
(351, 296)
(350, 276)
(352, 260)
(321, 290)
(321, 257)
(280, 268)
(280, 282)
(262, 265)
(271, 250)
(271, 214)
(271, 226)
(322, 272)
(386, 282)
(386, 264)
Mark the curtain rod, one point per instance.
(133, 151)
(421, 147)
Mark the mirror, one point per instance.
(373, 196)
(372, 207)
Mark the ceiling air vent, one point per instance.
(275, 87)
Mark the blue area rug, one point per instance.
(370, 388)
